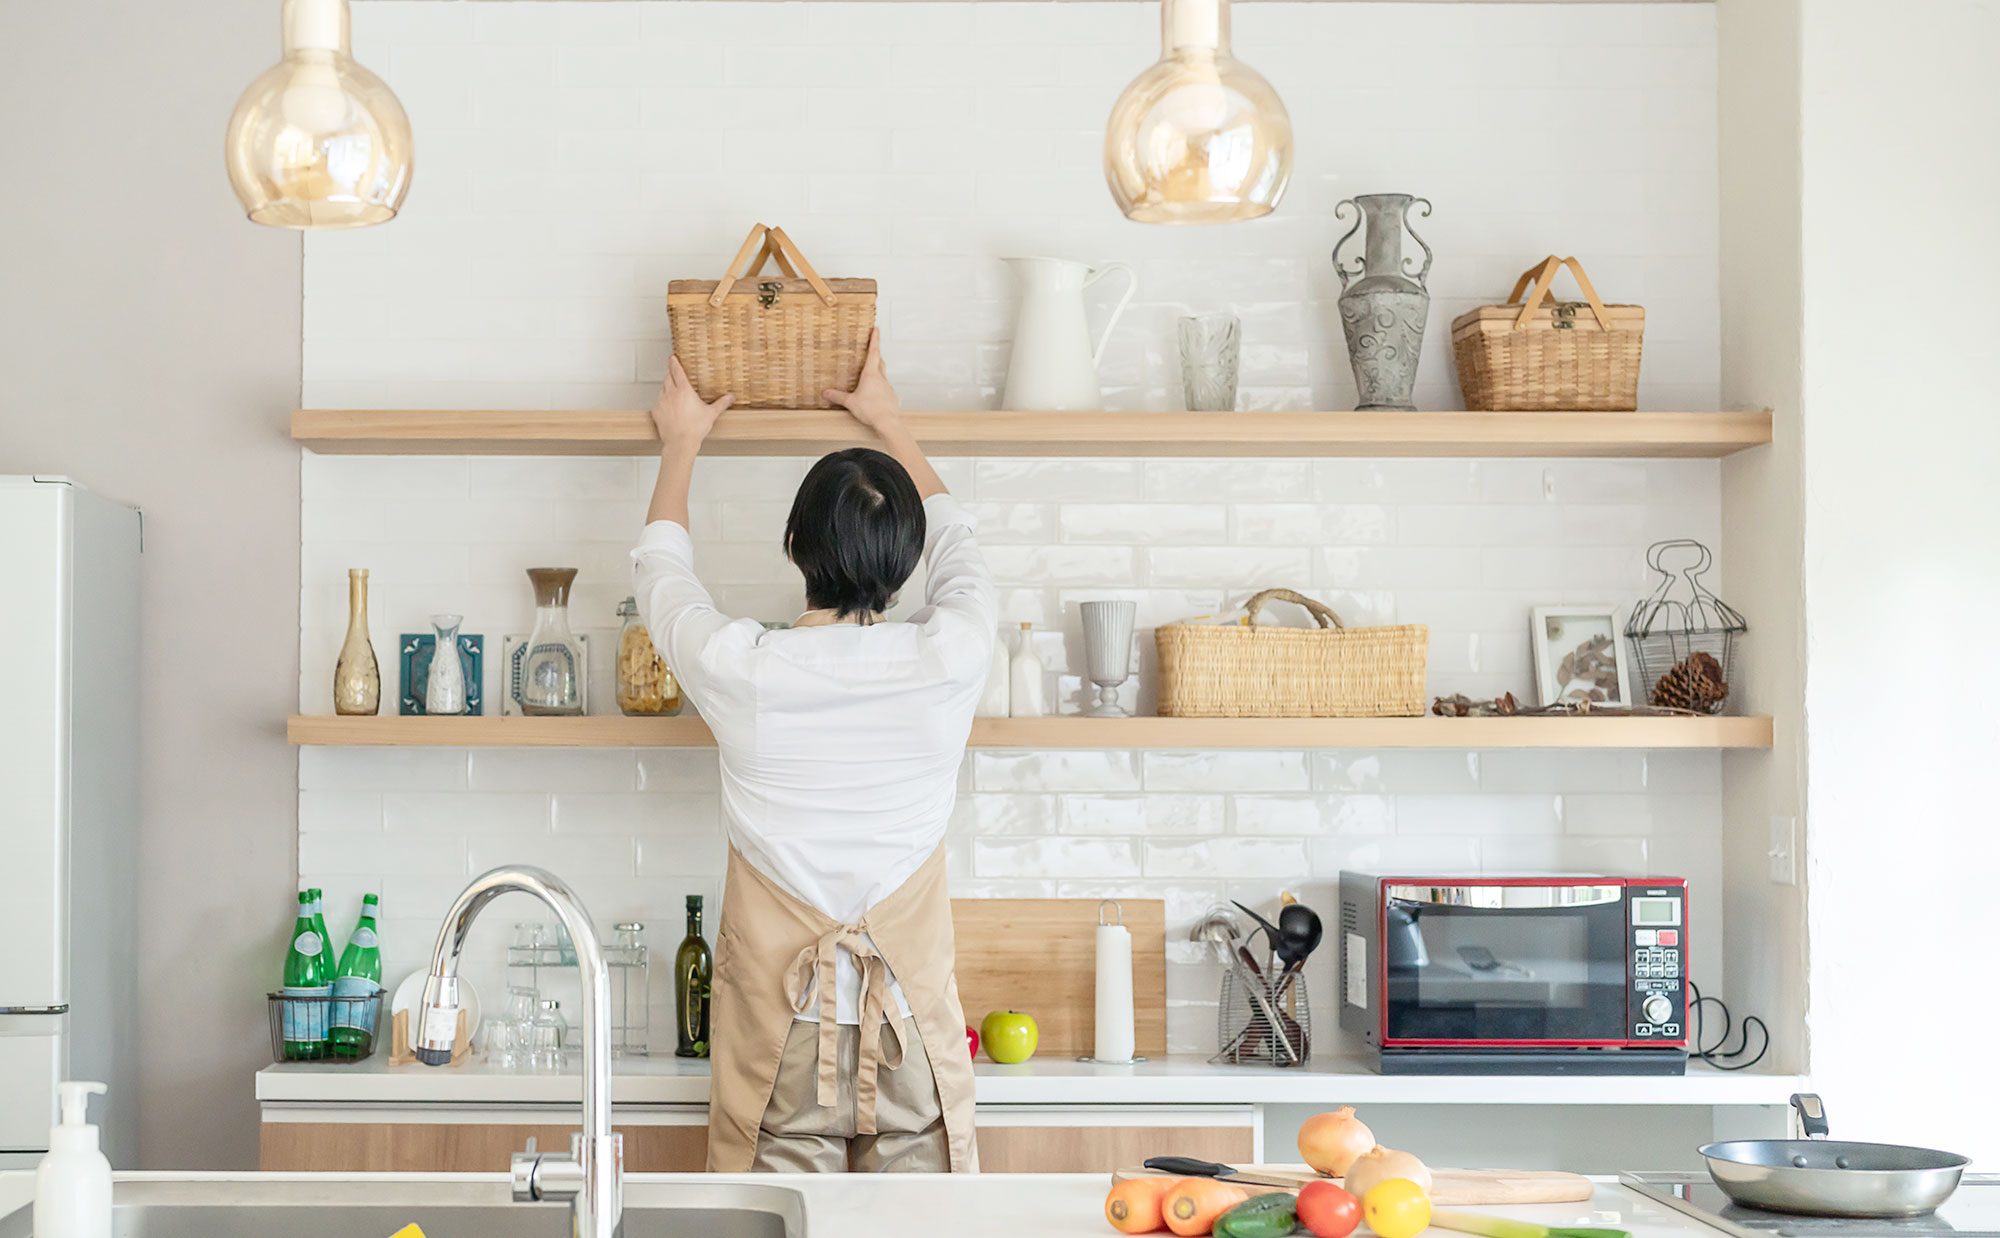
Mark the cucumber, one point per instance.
(1261, 1216)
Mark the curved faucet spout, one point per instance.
(592, 1176)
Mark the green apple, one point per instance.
(1009, 1036)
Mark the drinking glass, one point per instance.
(496, 1041)
(1209, 347)
(1107, 653)
(546, 1039)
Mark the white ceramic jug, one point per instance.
(1054, 364)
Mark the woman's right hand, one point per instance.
(873, 401)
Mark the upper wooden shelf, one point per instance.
(601, 731)
(805, 432)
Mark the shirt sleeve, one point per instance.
(959, 600)
(678, 612)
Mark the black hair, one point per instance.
(856, 531)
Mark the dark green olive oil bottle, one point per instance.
(694, 970)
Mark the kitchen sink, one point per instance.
(377, 1207)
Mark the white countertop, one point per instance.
(1174, 1080)
(864, 1206)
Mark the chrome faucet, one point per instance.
(592, 1176)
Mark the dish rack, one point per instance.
(630, 964)
(1245, 1027)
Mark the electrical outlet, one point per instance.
(1784, 856)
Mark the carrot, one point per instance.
(1192, 1204)
(1134, 1207)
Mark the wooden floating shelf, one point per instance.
(1070, 732)
(805, 432)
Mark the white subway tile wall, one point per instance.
(576, 157)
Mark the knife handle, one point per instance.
(1189, 1167)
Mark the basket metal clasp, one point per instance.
(767, 292)
(1563, 316)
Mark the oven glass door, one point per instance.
(1505, 964)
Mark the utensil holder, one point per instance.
(1247, 1037)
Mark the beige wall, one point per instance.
(149, 343)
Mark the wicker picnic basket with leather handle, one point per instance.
(771, 341)
(1239, 670)
(1537, 354)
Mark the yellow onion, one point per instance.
(1381, 1164)
(1330, 1142)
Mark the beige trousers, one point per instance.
(798, 1136)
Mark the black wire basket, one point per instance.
(318, 1027)
(1683, 636)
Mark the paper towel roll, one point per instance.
(1115, 1039)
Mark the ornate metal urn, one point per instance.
(1383, 311)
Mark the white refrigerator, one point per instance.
(69, 808)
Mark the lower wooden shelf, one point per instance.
(1069, 732)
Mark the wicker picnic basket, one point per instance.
(1556, 355)
(1331, 671)
(771, 342)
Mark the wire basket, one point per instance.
(318, 1027)
(1683, 636)
(1246, 1033)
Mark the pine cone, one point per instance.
(1694, 683)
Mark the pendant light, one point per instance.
(1200, 137)
(318, 141)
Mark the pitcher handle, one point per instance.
(1131, 287)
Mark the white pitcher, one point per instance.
(1054, 364)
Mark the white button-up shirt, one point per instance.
(840, 744)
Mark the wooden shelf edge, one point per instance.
(788, 432)
(1072, 732)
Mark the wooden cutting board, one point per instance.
(1450, 1188)
(1039, 956)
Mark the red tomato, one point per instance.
(972, 1040)
(1328, 1210)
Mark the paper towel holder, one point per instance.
(1118, 911)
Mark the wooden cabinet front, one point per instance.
(454, 1147)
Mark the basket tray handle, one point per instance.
(1543, 275)
(774, 245)
(1320, 611)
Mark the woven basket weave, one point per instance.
(771, 342)
(1331, 671)
(1540, 355)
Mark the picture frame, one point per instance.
(1580, 656)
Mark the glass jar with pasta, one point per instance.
(646, 687)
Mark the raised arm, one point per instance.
(683, 420)
(873, 403)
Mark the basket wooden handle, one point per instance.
(775, 245)
(1544, 275)
(1320, 611)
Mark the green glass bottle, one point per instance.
(694, 970)
(319, 921)
(356, 981)
(308, 974)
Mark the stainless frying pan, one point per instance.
(1818, 1176)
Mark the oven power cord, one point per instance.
(1715, 1054)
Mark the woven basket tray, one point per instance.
(771, 343)
(1537, 354)
(1331, 671)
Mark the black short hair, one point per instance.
(856, 531)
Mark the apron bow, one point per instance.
(818, 962)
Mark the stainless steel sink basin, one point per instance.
(345, 1208)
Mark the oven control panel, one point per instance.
(1656, 945)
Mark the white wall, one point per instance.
(149, 339)
(1900, 123)
(575, 157)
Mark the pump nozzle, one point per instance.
(74, 1096)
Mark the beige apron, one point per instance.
(769, 949)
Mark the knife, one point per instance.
(1190, 1167)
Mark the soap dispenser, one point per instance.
(73, 1184)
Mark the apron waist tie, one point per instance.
(820, 960)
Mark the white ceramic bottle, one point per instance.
(993, 702)
(1025, 688)
(73, 1182)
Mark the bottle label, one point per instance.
(364, 937)
(307, 943)
(305, 1020)
(355, 1003)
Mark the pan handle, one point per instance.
(1812, 1114)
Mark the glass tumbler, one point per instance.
(1210, 344)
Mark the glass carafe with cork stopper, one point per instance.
(552, 667)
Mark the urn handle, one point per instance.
(1359, 264)
(1409, 228)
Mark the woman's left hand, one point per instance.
(680, 415)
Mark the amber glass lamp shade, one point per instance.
(1200, 137)
(318, 141)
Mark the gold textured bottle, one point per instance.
(357, 681)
